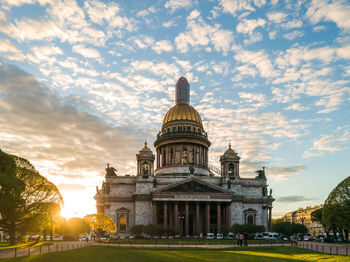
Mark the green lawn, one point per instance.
(121, 254)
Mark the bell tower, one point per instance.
(145, 162)
(230, 164)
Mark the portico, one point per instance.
(192, 206)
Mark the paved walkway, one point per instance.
(336, 249)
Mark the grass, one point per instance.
(121, 254)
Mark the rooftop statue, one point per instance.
(260, 173)
(110, 171)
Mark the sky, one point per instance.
(84, 83)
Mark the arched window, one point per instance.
(231, 170)
(122, 223)
(145, 168)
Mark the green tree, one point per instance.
(77, 226)
(100, 223)
(137, 230)
(247, 228)
(24, 196)
(336, 209)
(288, 229)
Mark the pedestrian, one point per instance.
(245, 239)
(241, 238)
(294, 240)
(237, 236)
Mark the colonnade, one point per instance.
(192, 217)
(175, 154)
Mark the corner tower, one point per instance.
(182, 144)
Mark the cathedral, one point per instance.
(181, 190)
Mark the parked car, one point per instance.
(273, 236)
(230, 236)
(219, 236)
(210, 236)
(265, 235)
(259, 236)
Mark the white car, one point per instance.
(273, 236)
(230, 236)
(210, 236)
(219, 236)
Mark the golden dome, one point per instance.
(230, 150)
(145, 148)
(181, 112)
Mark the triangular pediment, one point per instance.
(191, 185)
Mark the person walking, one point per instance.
(241, 238)
(245, 239)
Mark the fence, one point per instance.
(42, 249)
(332, 249)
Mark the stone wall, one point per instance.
(143, 211)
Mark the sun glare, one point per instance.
(78, 203)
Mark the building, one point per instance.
(181, 190)
(303, 216)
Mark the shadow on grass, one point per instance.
(139, 254)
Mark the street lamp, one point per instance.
(181, 218)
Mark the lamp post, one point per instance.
(181, 219)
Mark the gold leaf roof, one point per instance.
(145, 148)
(182, 112)
(230, 150)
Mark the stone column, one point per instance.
(208, 218)
(154, 213)
(176, 214)
(218, 217)
(186, 218)
(165, 215)
(197, 219)
(270, 218)
(228, 215)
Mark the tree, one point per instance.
(336, 209)
(288, 229)
(247, 228)
(24, 196)
(100, 223)
(137, 230)
(77, 226)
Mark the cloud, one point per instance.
(277, 17)
(235, 6)
(335, 11)
(297, 107)
(292, 199)
(51, 128)
(177, 4)
(258, 59)
(34, 29)
(292, 35)
(328, 143)
(281, 173)
(87, 52)
(10, 51)
(162, 46)
(198, 33)
(248, 26)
